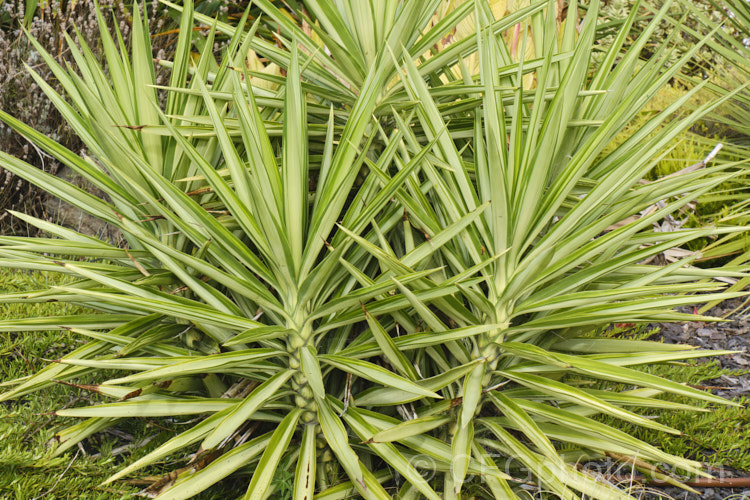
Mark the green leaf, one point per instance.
(388, 396)
(199, 364)
(311, 368)
(218, 469)
(304, 476)
(408, 429)
(377, 374)
(397, 359)
(272, 455)
(157, 407)
(243, 411)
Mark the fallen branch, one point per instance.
(702, 482)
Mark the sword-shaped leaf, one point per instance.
(377, 374)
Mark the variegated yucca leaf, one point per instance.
(725, 69)
(561, 265)
(729, 70)
(375, 274)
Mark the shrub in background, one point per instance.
(23, 98)
(725, 64)
(730, 67)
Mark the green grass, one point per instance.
(27, 466)
(720, 437)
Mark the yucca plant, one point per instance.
(729, 70)
(223, 234)
(376, 277)
(566, 249)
